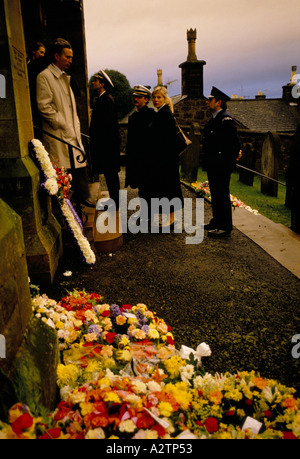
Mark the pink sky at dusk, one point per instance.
(248, 45)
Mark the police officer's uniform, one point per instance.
(221, 146)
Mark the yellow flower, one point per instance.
(153, 334)
(111, 397)
(59, 324)
(67, 374)
(86, 408)
(165, 409)
(104, 382)
(173, 364)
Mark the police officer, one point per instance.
(138, 124)
(105, 136)
(221, 148)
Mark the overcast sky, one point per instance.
(248, 45)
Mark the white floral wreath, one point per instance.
(67, 209)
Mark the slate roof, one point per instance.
(263, 115)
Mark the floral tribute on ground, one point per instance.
(58, 183)
(121, 377)
(202, 190)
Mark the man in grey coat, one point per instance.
(57, 107)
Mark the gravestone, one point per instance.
(292, 200)
(190, 157)
(270, 163)
(248, 160)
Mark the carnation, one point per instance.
(127, 426)
(95, 434)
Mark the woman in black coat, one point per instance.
(161, 174)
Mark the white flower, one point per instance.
(51, 186)
(186, 372)
(95, 434)
(139, 387)
(127, 426)
(68, 273)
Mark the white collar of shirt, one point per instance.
(216, 113)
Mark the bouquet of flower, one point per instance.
(64, 184)
(121, 377)
(58, 183)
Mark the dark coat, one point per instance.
(221, 143)
(161, 173)
(137, 139)
(105, 136)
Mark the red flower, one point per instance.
(23, 422)
(105, 313)
(144, 421)
(110, 336)
(159, 429)
(51, 433)
(229, 413)
(170, 340)
(289, 436)
(248, 402)
(99, 421)
(126, 306)
(268, 414)
(62, 410)
(211, 425)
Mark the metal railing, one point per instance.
(70, 147)
(261, 175)
(81, 158)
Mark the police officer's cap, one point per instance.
(140, 90)
(218, 95)
(101, 75)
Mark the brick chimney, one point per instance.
(192, 70)
(287, 89)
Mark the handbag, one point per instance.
(181, 141)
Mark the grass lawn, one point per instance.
(269, 206)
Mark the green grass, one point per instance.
(269, 206)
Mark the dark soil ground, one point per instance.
(227, 293)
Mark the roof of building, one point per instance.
(263, 115)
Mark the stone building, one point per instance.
(254, 117)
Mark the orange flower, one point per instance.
(290, 403)
(261, 383)
(216, 397)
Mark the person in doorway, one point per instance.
(160, 178)
(138, 124)
(57, 106)
(105, 136)
(221, 149)
(35, 64)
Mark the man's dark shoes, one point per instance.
(218, 233)
(209, 226)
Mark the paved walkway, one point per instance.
(277, 240)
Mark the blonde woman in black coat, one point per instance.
(161, 175)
